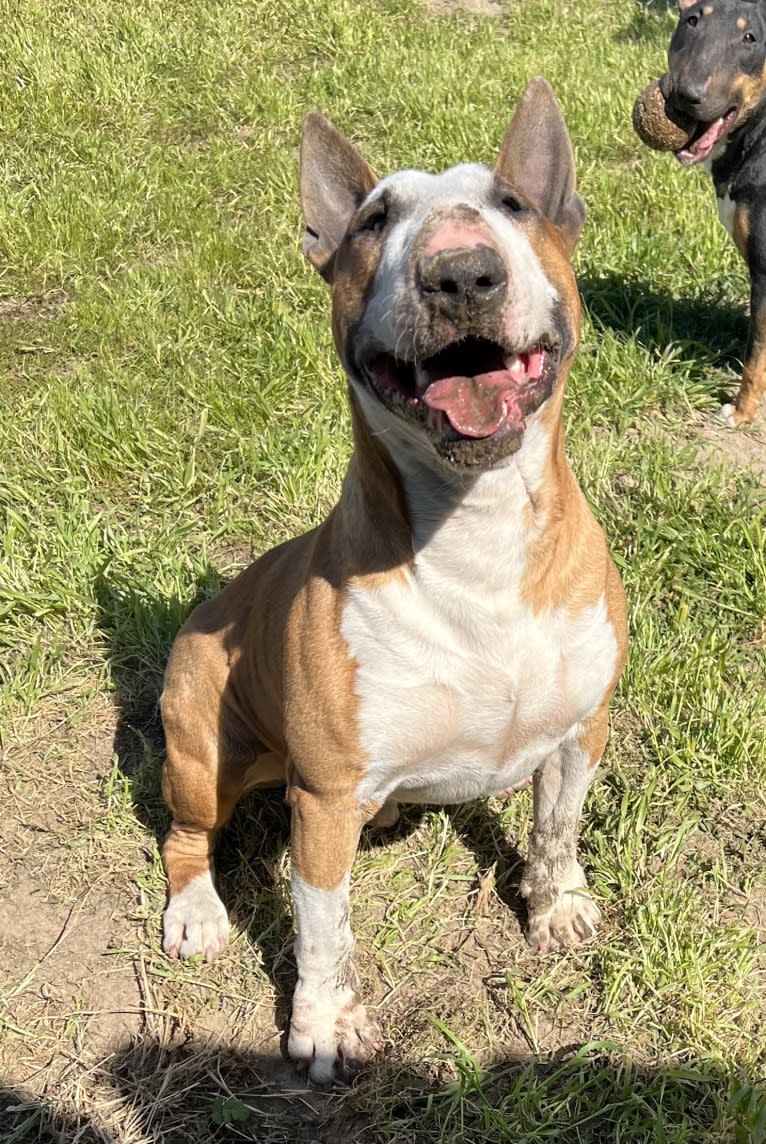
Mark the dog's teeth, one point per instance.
(515, 366)
(422, 380)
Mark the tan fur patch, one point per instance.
(748, 89)
(741, 23)
(594, 738)
(753, 386)
(707, 10)
(741, 228)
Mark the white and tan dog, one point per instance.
(456, 625)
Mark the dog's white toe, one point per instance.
(195, 921)
(333, 1037)
(726, 414)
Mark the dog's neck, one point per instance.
(470, 530)
(747, 140)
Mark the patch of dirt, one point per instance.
(35, 307)
(744, 448)
(58, 953)
(473, 7)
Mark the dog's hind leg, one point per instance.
(753, 385)
(330, 1031)
(560, 910)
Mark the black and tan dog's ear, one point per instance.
(335, 180)
(536, 159)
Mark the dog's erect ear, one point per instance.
(536, 158)
(684, 4)
(334, 182)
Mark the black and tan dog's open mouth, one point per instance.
(475, 386)
(705, 138)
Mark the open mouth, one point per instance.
(474, 387)
(705, 138)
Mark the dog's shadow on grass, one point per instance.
(198, 1093)
(708, 330)
(707, 327)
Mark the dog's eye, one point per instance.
(748, 38)
(375, 219)
(511, 203)
(692, 21)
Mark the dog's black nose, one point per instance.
(689, 92)
(464, 276)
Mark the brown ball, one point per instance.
(658, 125)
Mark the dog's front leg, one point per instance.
(753, 385)
(330, 1031)
(561, 912)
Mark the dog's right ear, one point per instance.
(684, 4)
(335, 180)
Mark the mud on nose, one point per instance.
(473, 275)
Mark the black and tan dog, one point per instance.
(717, 78)
(456, 625)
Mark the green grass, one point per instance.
(171, 404)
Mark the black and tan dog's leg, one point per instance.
(753, 385)
(560, 910)
(330, 1031)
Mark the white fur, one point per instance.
(464, 690)
(724, 203)
(726, 211)
(571, 916)
(329, 1028)
(195, 920)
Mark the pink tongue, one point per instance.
(474, 408)
(702, 147)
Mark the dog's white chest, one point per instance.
(463, 689)
(726, 210)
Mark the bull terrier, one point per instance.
(456, 625)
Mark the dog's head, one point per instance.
(455, 309)
(716, 70)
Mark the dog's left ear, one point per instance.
(335, 180)
(537, 159)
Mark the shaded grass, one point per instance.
(172, 404)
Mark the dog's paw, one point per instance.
(728, 414)
(332, 1037)
(195, 921)
(574, 919)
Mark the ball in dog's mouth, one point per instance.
(657, 123)
(664, 128)
(474, 387)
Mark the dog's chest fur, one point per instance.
(464, 687)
